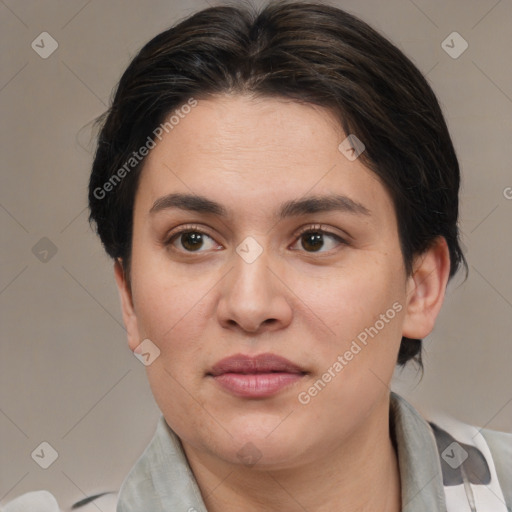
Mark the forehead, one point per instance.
(239, 149)
(241, 128)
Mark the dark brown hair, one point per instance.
(308, 52)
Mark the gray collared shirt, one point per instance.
(162, 481)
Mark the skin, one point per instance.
(307, 305)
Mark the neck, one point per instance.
(361, 475)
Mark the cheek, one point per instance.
(171, 312)
(365, 310)
(353, 300)
(173, 316)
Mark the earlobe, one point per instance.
(125, 295)
(426, 289)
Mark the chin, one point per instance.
(263, 441)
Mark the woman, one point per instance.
(279, 193)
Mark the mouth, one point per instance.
(258, 376)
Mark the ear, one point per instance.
(426, 289)
(129, 316)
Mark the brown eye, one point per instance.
(318, 240)
(191, 240)
(312, 241)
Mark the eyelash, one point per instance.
(317, 228)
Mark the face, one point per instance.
(293, 252)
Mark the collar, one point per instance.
(162, 480)
(420, 469)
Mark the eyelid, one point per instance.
(174, 234)
(324, 229)
(184, 228)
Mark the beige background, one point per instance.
(66, 374)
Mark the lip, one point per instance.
(258, 376)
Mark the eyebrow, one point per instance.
(292, 208)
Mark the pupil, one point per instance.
(192, 241)
(314, 240)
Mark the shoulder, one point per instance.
(44, 501)
(500, 446)
(475, 456)
(106, 502)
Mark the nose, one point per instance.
(254, 297)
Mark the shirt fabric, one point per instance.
(162, 480)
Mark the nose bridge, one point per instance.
(252, 295)
(251, 276)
